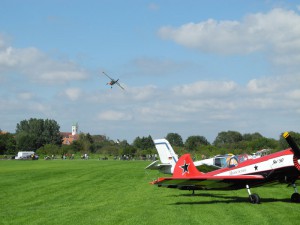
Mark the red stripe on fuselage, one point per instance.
(250, 162)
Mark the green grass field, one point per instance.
(118, 192)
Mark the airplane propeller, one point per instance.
(292, 144)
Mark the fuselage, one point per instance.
(277, 167)
(280, 166)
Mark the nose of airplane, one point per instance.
(292, 144)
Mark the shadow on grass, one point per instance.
(220, 198)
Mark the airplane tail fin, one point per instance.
(185, 168)
(165, 152)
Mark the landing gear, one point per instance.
(253, 198)
(295, 196)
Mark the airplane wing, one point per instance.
(120, 85)
(209, 182)
(107, 76)
(187, 177)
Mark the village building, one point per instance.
(69, 137)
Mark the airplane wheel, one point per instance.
(254, 199)
(295, 198)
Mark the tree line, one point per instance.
(44, 138)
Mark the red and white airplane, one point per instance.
(280, 167)
(113, 81)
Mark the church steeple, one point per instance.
(74, 129)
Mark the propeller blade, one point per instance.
(292, 144)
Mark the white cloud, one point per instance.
(295, 94)
(154, 66)
(205, 88)
(37, 66)
(274, 84)
(260, 86)
(73, 93)
(26, 95)
(277, 33)
(113, 115)
(184, 109)
(145, 93)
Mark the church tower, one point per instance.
(74, 129)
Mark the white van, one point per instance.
(24, 155)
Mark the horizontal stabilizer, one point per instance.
(156, 165)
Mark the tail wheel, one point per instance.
(254, 199)
(295, 198)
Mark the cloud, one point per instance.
(276, 33)
(73, 93)
(153, 6)
(154, 66)
(203, 102)
(113, 115)
(146, 93)
(201, 107)
(205, 88)
(274, 84)
(37, 66)
(26, 95)
(295, 94)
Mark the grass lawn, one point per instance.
(118, 192)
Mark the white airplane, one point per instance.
(279, 167)
(168, 158)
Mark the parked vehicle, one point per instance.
(27, 155)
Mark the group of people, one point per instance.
(66, 156)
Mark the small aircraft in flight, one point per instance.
(113, 81)
(279, 167)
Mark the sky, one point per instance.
(188, 67)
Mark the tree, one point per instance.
(263, 143)
(11, 145)
(252, 137)
(34, 133)
(49, 149)
(77, 146)
(229, 137)
(282, 142)
(26, 142)
(86, 142)
(143, 143)
(193, 142)
(128, 150)
(175, 139)
(7, 144)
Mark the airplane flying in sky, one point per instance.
(113, 81)
(282, 167)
